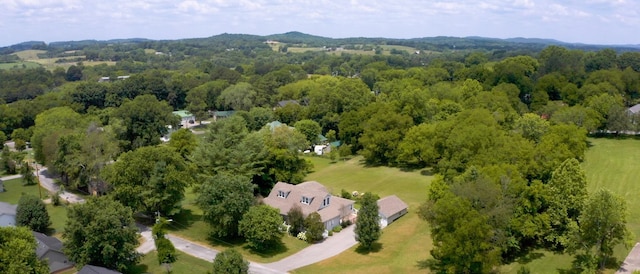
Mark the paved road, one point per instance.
(10, 177)
(195, 250)
(47, 182)
(328, 248)
(632, 262)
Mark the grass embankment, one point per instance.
(610, 164)
(404, 243)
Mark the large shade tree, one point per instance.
(224, 199)
(150, 179)
(101, 232)
(18, 252)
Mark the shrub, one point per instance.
(302, 236)
(345, 194)
(330, 233)
(336, 229)
(55, 199)
(345, 223)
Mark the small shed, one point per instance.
(7, 214)
(390, 208)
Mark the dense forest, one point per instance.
(503, 124)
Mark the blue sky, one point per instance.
(582, 21)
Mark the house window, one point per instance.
(281, 194)
(325, 202)
(305, 200)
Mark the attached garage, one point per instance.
(390, 208)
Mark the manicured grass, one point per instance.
(58, 217)
(184, 264)
(404, 243)
(189, 225)
(14, 189)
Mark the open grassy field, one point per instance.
(404, 243)
(30, 54)
(19, 65)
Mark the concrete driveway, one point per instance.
(632, 262)
(47, 182)
(328, 248)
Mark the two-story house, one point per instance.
(310, 197)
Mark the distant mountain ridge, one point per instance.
(295, 37)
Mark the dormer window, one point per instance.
(282, 194)
(305, 200)
(325, 202)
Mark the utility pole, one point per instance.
(38, 178)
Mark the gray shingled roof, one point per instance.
(7, 208)
(635, 109)
(92, 269)
(48, 245)
(390, 205)
(312, 190)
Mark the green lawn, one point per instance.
(14, 189)
(404, 243)
(184, 264)
(189, 225)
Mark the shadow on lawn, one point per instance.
(184, 220)
(375, 248)
(274, 250)
(138, 269)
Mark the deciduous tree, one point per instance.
(230, 261)
(32, 213)
(296, 220)
(603, 225)
(18, 252)
(261, 226)
(225, 198)
(101, 232)
(150, 179)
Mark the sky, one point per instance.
(608, 22)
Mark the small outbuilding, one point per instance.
(390, 208)
(50, 248)
(7, 214)
(92, 269)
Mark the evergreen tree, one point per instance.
(368, 223)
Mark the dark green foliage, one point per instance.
(32, 213)
(145, 119)
(150, 179)
(101, 232)
(164, 247)
(314, 226)
(262, 227)
(230, 261)
(296, 220)
(27, 174)
(224, 199)
(166, 251)
(18, 252)
(368, 223)
(461, 237)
